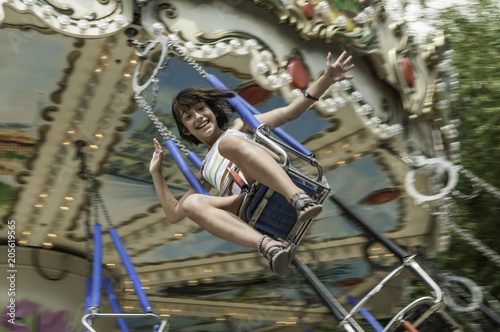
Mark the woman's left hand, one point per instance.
(337, 71)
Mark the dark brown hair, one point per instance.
(215, 99)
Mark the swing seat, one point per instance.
(268, 211)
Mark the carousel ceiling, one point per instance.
(68, 68)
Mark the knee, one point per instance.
(193, 205)
(232, 146)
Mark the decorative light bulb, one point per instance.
(357, 96)
(273, 81)
(251, 44)
(173, 38)
(103, 25)
(340, 102)
(64, 20)
(330, 103)
(323, 6)
(449, 54)
(47, 10)
(206, 49)
(375, 121)
(361, 18)
(286, 78)
(235, 43)
(158, 28)
(120, 19)
(341, 21)
(345, 85)
(369, 11)
(83, 24)
(221, 48)
(190, 46)
(261, 68)
(395, 129)
(441, 86)
(266, 55)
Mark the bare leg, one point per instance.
(257, 163)
(218, 216)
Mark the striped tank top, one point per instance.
(215, 167)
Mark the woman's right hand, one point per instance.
(157, 159)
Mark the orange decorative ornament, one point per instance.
(254, 94)
(408, 71)
(308, 10)
(299, 73)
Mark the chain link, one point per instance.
(446, 213)
(190, 61)
(495, 192)
(445, 218)
(148, 107)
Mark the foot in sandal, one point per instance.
(277, 253)
(305, 206)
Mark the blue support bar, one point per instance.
(115, 305)
(367, 316)
(195, 160)
(129, 267)
(95, 294)
(184, 167)
(88, 294)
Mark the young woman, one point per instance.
(201, 118)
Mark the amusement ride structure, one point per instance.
(93, 85)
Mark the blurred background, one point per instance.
(410, 146)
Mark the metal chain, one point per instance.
(495, 192)
(482, 248)
(189, 60)
(148, 108)
(445, 215)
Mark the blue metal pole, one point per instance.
(367, 316)
(195, 160)
(115, 305)
(88, 294)
(129, 267)
(95, 292)
(184, 167)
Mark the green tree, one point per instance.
(473, 33)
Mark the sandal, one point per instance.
(278, 255)
(300, 201)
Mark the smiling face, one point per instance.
(201, 122)
(186, 103)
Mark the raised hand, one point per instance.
(337, 71)
(157, 159)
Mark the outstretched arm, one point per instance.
(169, 203)
(334, 72)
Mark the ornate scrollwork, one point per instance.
(101, 18)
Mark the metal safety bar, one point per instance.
(408, 262)
(163, 327)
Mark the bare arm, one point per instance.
(334, 72)
(169, 203)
